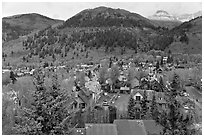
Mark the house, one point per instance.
(104, 99)
(101, 129)
(165, 60)
(156, 86)
(138, 96)
(122, 78)
(144, 84)
(130, 127)
(94, 86)
(125, 89)
(83, 97)
(5, 71)
(121, 127)
(160, 96)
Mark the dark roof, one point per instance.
(130, 127)
(82, 95)
(152, 128)
(100, 129)
(86, 91)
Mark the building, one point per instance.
(101, 129)
(122, 127)
(138, 94)
(130, 127)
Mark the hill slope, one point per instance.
(76, 40)
(18, 25)
(107, 17)
(167, 24)
(188, 37)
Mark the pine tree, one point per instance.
(161, 83)
(130, 75)
(157, 65)
(144, 105)
(89, 115)
(161, 62)
(131, 105)
(171, 119)
(80, 119)
(12, 76)
(175, 85)
(49, 113)
(153, 107)
(114, 74)
(102, 73)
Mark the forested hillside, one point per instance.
(23, 24)
(104, 29)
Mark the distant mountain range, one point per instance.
(164, 15)
(107, 28)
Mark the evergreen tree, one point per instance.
(161, 83)
(114, 74)
(130, 75)
(157, 65)
(49, 113)
(144, 105)
(131, 104)
(175, 84)
(89, 116)
(12, 77)
(80, 119)
(153, 107)
(102, 73)
(171, 119)
(161, 62)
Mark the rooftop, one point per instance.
(130, 127)
(101, 129)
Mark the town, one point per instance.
(87, 69)
(118, 91)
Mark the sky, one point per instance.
(65, 10)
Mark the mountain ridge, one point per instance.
(22, 24)
(106, 17)
(62, 40)
(164, 15)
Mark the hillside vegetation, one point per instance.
(100, 31)
(23, 24)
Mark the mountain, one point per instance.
(187, 17)
(165, 16)
(18, 25)
(167, 23)
(187, 37)
(95, 33)
(107, 17)
(162, 15)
